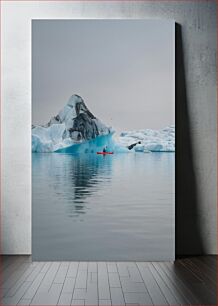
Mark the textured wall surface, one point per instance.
(195, 102)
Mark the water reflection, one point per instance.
(91, 207)
(73, 178)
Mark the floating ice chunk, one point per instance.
(45, 139)
(139, 148)
(39, 146)
(155, 147)
(151, 140)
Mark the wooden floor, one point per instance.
(188, 281)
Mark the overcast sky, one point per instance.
(123, 69)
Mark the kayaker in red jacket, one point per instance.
(105, 149)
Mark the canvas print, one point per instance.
(103, 140)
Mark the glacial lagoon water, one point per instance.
(93, 207)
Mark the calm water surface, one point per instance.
(93, 207)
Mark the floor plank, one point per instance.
(24, 302)
(177, 292)
(17, 296)
(117, 296)
(69, 285)
(103, 282)
(65, 298)
(78, 302)
(81, 279)
(17, 279)
(14, 274)
(152, 286)
(49, 277)
(48, 298)
(105, 302)
(187, 281)
(201, 269)
(140, 298)
(198, 287)
(179, 283)
(114, 280)
(61, 273)
(73, 268)
(169, 296)
(209, 263)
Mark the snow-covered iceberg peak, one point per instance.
(72, 125)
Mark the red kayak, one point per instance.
(105, 153)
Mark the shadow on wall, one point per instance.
(188, 234)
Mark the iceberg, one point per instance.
(76, 130)
(89, 146)
(73, 126)
(162, 140)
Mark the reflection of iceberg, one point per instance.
(89, 172)
(70, 180)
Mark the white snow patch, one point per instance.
(151, 140)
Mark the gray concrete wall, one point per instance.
(196, 206)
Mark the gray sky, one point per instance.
(123, 69)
